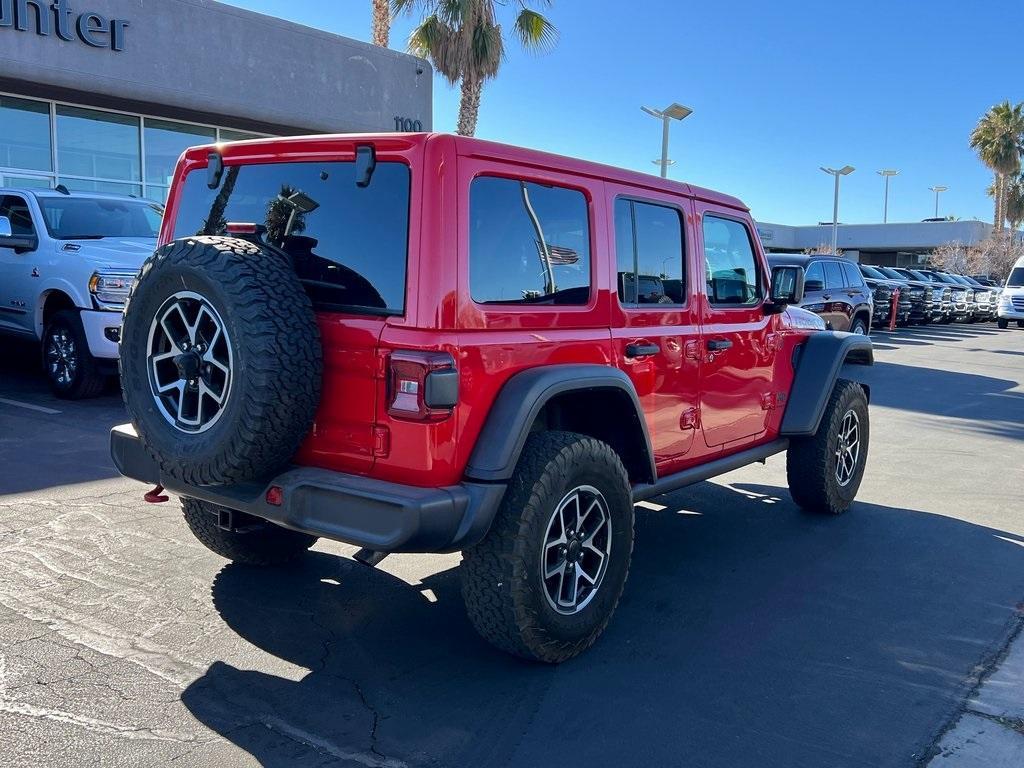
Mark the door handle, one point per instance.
(642, 350)
(719, 345)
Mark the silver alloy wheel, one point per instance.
(61, 357)
(848, 448)
(190, 362)
(577, 547)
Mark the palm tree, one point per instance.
(381, 22)
(998, 138)
(464, 42)
(1014, 205)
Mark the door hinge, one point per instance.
(690, 418)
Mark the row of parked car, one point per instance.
(856, 297)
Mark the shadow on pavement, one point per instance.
(750, 634)
(989, 405)
(65, 443)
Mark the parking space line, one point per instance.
(29, 406)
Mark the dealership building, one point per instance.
(898, 245)
(104, 95)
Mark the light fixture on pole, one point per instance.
(887, 173)
(672, 112)
(846, 170)
(938, 190)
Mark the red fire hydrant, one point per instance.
(895, 308)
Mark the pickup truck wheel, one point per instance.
(1004, 324)
(545, 581)
(70, 367)
(220, 360)
(253, 541)
(825, 470)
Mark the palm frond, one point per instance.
(535, 32)
(437, 42)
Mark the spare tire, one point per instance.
(221, 361)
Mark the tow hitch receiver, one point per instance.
(369, 557)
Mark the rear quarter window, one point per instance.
(529, 243)
(349, 244)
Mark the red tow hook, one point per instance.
(156, 496)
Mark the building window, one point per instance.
(96, 144)
(226, 134)
(649, 253)
(25, 134)
(732, 274)
(528, 243)
(164, 142)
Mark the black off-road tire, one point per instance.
(88, 380)
(1003, 324)
(1020, 323)
(254, 542)
(275, 387)
(501, 576)
(811, 461)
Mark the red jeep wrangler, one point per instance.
(424, 343)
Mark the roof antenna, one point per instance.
(62, 189)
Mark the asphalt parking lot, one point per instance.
(750, 634)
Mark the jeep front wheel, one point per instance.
(545, 581)
(825, 469)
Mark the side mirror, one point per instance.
(19, 243)
(787, 287)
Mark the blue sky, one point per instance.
(778, 89)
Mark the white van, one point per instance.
(1011, 303)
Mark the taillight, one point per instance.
(423, 386)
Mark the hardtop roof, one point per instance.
(474, 147)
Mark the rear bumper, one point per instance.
(377, 515)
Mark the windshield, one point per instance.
(93, 218)
(872, 272)
(892, 273)
(913, 273)
(348, 243)
(1016, 278)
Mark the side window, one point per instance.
(528, 243)
(853, 275)
(649, 253)
(834, 275)
(814, 280)
(16, 209)
(732, 273)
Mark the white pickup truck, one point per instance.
(67, 262)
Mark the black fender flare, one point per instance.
(818, 362)
(521, 400)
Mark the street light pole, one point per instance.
(846, 170)
(938, 189)
(887, 173)
(672, 112)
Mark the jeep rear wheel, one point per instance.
(825, 470)
(249, 540)
(546, 580)
(220, 360)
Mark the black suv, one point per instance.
(882, 289)
(942, 295)
(833, 288)
(922, 296)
